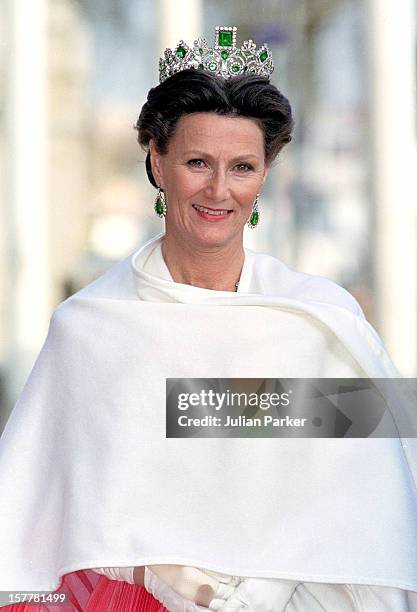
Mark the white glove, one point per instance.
(259, 595)
(116, 573)
(167, 596)
(225, 590)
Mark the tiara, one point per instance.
(223, 58)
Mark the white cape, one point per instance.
(88, 478)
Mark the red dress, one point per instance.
(87, 591)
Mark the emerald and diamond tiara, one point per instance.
(223, 59)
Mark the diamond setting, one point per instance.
(223, 59)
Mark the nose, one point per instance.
(217, 188)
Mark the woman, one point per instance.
(255, 524)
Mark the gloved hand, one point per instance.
(116, 573)
(259, 595)
(167, 596)
(226, 588)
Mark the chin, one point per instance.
(216, 238)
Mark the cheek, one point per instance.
(186, 184)
(247, 192)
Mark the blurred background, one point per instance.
(340, 202)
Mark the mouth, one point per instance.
(206, 212)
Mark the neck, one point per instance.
(215, 268)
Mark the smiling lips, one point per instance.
(211, 214)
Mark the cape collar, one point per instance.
(154, 283)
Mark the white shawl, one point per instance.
(88, 478)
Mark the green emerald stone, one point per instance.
(224, 54)
(235, 68)
(254, 218)
(212, 65)
(225, 39)
(201, 66)
(263, 56)
(180, 52)
(200, 51)
(159, 207)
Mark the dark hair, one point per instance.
(198, 91)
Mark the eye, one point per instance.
(196, 163)
(244, 168)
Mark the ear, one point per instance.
(156, 163)
(265, 174)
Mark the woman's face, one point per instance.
(213, 164)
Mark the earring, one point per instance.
(160, 206)
(254, 218)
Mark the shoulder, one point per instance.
(316, 288)
(278, 279)
(86, 304)
(115, 283)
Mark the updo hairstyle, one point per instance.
(198, 91)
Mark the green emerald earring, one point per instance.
(160, 203)
(254, 218)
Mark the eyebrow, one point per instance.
(208, 156)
